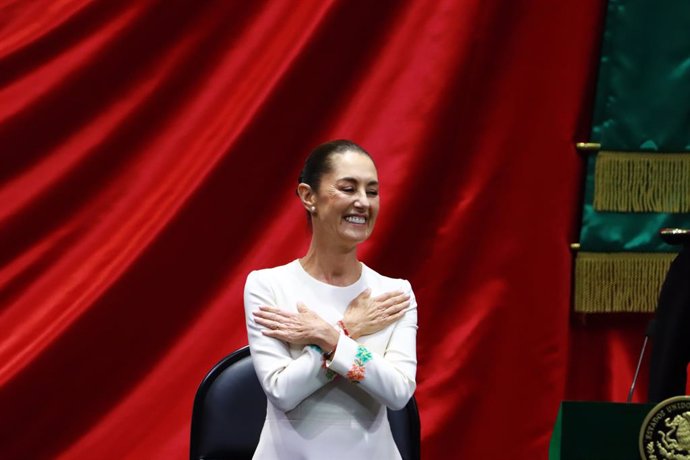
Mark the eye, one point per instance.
(348, 189)
(373, 192)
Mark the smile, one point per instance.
(356, 219)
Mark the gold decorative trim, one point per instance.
(620, 281)
(642, 182)
(588, 146)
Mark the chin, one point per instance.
(356, 238)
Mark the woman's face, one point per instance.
(347, 201)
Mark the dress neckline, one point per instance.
(305, 274)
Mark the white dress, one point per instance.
(337, 409)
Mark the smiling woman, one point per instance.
(333, 342)
(344, 197)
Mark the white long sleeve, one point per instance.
(286, 380)
(388, 377)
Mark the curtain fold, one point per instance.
(150, 151)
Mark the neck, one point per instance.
(333, 265)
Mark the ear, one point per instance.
(307, 196)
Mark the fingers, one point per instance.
(395, 300)
(266, 322)
(273, 313)
(306, 316)
(272, 318)
(385, 297)
(275, 334)
(287, 326)
(395, 313)
(398, 308)
(281, 330)
(388, 295)
(401, 311)
(269, 309)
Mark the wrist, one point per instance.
(329, 340)
(349, 329)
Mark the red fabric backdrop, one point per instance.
(150, 151)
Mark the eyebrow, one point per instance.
(352, 179)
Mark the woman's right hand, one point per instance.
(366, 315)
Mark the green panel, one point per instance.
(598, 431)
(643, 90)
(555, 444)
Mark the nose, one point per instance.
(362, 200)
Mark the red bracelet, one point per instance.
(342, 326)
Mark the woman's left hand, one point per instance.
(302, 328)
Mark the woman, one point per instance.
(332, 341)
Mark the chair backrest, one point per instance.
(230, 408)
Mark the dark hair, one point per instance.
(319, 163)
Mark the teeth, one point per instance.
(356, 219)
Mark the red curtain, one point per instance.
(150, 151)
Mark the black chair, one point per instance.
(230, 408)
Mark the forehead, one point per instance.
(353, 165)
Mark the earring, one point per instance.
(313, 209)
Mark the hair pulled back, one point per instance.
(319, 161)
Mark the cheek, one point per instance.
(375, 212)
